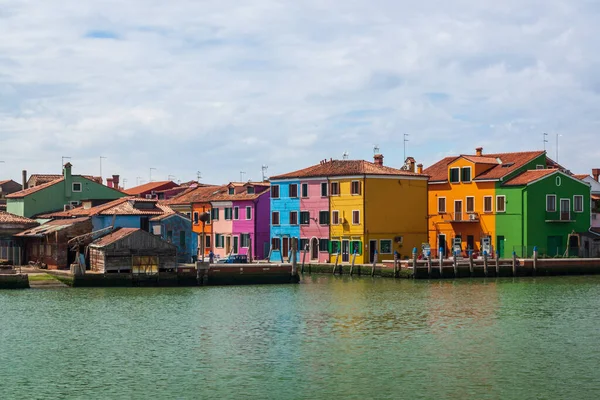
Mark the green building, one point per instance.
(544, 208)
(65, 192)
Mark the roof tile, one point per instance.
(530, 176)
(344, 168)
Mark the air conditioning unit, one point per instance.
(472, 217)
(67, 207)
(149, 196)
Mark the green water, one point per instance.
(325, 338)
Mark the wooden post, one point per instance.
(429, 266)
(535, 259)
(485, 263)
(414, 261)
(497, 263)
(293, 257)
(471, 266)
(303, 259)
(250, 254)
(455, 263)
(514, 264)
(374, 263)
(337, 259)
(441, 262)
(352, 265)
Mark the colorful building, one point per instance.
(370, 208)
(151, 190)
(470, 197)
(594, 181)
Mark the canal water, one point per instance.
(328, 337)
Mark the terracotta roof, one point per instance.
(481, 160)
(169, 214)
(595, 197)
(122, 206)
(581, 176)
(8, 218)
(39, 179)
(195, 195)
(114, 237)
(345, 168)
(51, 227)
(438, 172)
(27, 192)
(148, 187)
(2, 207)
(224, 196)
(530, 176)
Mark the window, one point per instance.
(324, 189)
(207, 241)
(228, 213)
(294, 191)
(304, 218)
(245, 240)
(335, 218)
(441, 205)
(487, 204)
(74, 203)
(578, 203)
(500, 204)
(335, 189)
(335, 247)
(248, 213)
(275, 191)
(219, 240)
(231, 190)
(236, 213)
(551, 203)
(355, 217)
(466, 174)
(323, 217)
(169, 236)
(323, 245)
(470, 204)
(305, 190)
(356, 247)
(303, 245)
(196, 217)
(385, 246)
(276, 244)
(250, 190)
(76, 187)
(182, 238)
(215, 214)
(355, 187)
(454, 175)
(275, 218)
(293, 217)
(540, 167)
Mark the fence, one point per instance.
(11, 253)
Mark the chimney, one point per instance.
(410, 162)
(24, 179)
(68, 180)
(419, 168)
(596, 173)
(479, 151)
(109, 182)
(378, 159)
(115, 179)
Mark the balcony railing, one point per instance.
(559, 216)
(464, 217)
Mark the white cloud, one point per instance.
(222, 86)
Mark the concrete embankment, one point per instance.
(14, 281)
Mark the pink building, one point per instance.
(222, 226)
(314, 219)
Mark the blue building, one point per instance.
(285, 217)
(176, 228)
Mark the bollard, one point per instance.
(414, 261)
(535, 258)
(455, 263)
(293, 257)
(429, 266)
(303, 259)
(471, 266)
(441, 262)
(514, 264)
(352, 265)
(485, 263)
(497, 263)
(374, 263)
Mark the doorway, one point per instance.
(227, 245)
(458, 210)
(314, 249)
(285, 247)
(372, 249)
(345, 251)
(500, 246)
(470, 243)
(442, 245)
(565, 209)
(554, 246)
(236, 243)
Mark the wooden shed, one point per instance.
(132, 250)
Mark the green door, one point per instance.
(500, 246)
(555, 246)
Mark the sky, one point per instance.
(226, 87)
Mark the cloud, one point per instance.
(223, 87)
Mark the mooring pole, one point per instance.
(337, 258)
(441, 262)
(429, 266)
(471, 266)
(455, 263)
(514, 263)
(535, 259)
(485, 263)
(303, 259)
(414, 261)
(352, 265)
(497, 263)
(294, 255)
(374, 263)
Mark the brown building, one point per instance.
(7, 187)
(132, 250)
(48, 243)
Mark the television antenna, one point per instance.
(264, 172)
(345, 155)
(376, 149)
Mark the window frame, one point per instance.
(295, 213)
(230, 213)
(275, 188)
(236, 213)
(242, 236)
(491, 210)
(324, 242)
(80, 187)
(248, 213)
(250, 190)
(300, 220)
(555, 203)
(472, 211)
(337, 186)
(325, 185)
(358, 188)
(450, 174)
(498, 210)
(302, 187)
(276, 244)
(355, 212)
(324, 212)
(445, 205)
(215, 215)
(337, 219)
(294, 185)
(578, 196)
(391, 246)
(462, 176)
(273, 213)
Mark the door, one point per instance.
(285, 247)
(565, 209)
(470, 243)
(345, 251)
(442, 245)
(236, 242)
(314, 249)
(227, 245)
(555, 246)
(372, 248)
(458, 210)
(500, 246)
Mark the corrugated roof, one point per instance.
(148, 187)
(8, 218)
(51, 227)
(438, 172)
(114, 237)
(344, 168)
(530, 176)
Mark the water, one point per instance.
(328, 337)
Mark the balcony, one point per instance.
(463, 217)
(559, 216)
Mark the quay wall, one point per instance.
(14, 281)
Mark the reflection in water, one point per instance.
(329, 337)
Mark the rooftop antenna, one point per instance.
(242, 173)
(63, 158)
(171, 177)
(545, 140)
(264, 172)
(198, 176)
(345, 155)
(151, 169)
(124, 182)
(376, 149)
(406, 135)
(137, 180)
